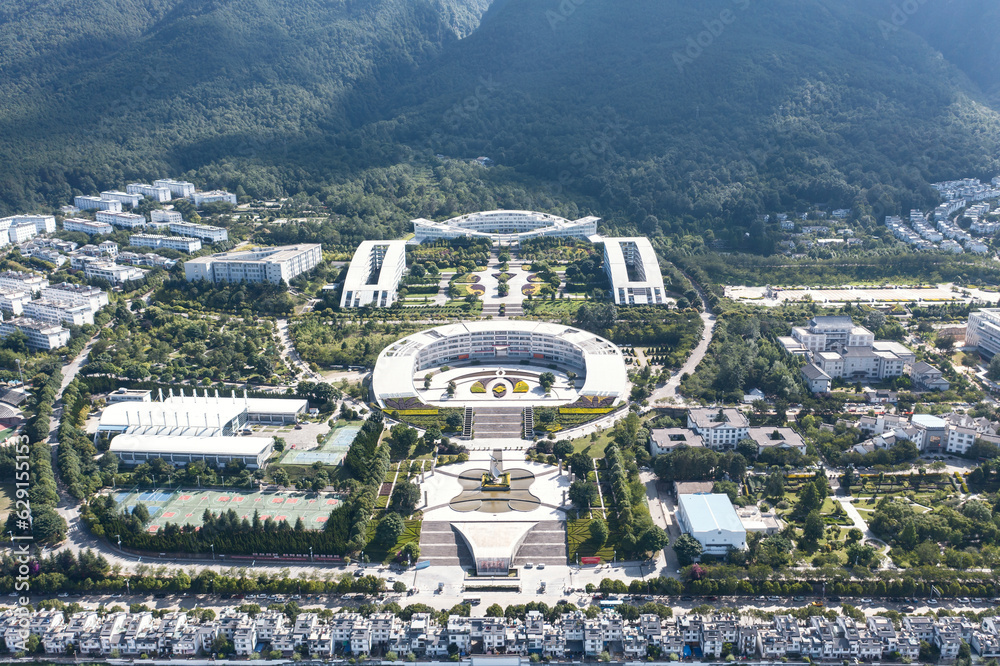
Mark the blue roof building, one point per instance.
(711, 519)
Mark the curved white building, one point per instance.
(504, 226)
(598, 362)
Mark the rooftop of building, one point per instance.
(713, 417)
(186, 444)
(668, 438)
(710, 511)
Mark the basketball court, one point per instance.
(186, 507)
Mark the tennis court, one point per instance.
(186, 507)
(330, 453)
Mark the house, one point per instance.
(816, 380)
(719, 428)
(664, 440)
(781, 438)
(928, 378)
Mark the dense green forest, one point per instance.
(664, 117)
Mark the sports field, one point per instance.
(331, 452)
(186, 507)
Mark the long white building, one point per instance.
(504, 226)
(160, 194)
(374, 275)
(202, 231)
(44, 224)
(124, 197)
(97, 203)
(633, 270)
(272, 264)
(213, 196)
(19, 281)
(92, 297)
(121, 220)
(179, 450)
(87, 226)
(21, 233)
(179, 189)
(712, 520)
(163, 216)
(41, 336)
(114, 273)
(12, 301)
(59, 312)
(180, 243)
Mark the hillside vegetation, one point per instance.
(661, 116)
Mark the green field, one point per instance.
(186, 507)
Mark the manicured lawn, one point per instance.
(580, 542)
(379, 553)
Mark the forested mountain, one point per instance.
(658, 115)
(95, 91)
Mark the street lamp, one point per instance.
(21, 374)
(213, 551)
(119, 537)
(310, 553)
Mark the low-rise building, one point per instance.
(712, 520)
(126, 198)
(780, 438)
(40, 336)
(180, 243)
(179, 189)
(165, 217)
(59, 312)
(116, 274)
(718, 428)
(97, 203)
(121, 220)
(205, 232)
(91, 227)
(213, 196)
(664, 440)
(159, 194)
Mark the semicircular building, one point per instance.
(504, 226)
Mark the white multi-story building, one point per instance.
(180, 243)
(41, 336)
(505, 226)
(633, 271)
(832, 334)
(179, 189)
(273, 264)
(59, 312)
(84, 294)
(160, 194)
(87, 226)
(374, 275)
(21, 233)
(12, 301)
(43, 223)
(121, 220)
(202, 231)
(18, 281)
(125, 198)
(718, 428)
(213, 196)
(163, 216)
(97, 203)
(983, 331)
(116, 274)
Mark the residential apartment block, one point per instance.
(272, 264)
(179, 189)
(180, 243)
(41, 336)
(202, 231)
(160, 194)
(121, 220)
(87, 226)
(97, 203)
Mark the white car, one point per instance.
(541, 565)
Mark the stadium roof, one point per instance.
(180, 444)
(710, 511)
(181, 418)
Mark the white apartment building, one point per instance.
(97, 203)
(202, 231)
(272, 264)
(160, 194)
(163, 216)
(59, 312)
(87, 226)
(21, 233)
(213, 196)
(18, 281)
(124, 197)
(983, 331)
(179, 189)
(41, 336)
(84, 294)
(43, 223)
(12, 301)
(121, 220)
(374, 274)
(832, 334)
(633, 271)
(116, 274)
(718, 428)
(180, 243)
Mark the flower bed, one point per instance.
(499, 390)
(521, 387)
(584, 410)
(416, 412)
(404, 404)
(590, 402)
(478, 387)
